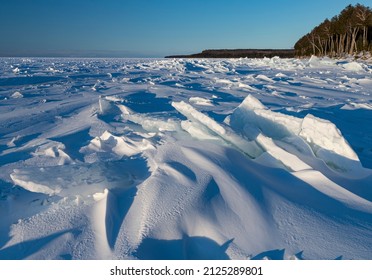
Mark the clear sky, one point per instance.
(155, 28)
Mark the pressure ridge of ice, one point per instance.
(185, 159)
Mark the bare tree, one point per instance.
(364, 16)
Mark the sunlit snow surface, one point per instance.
(185, 159)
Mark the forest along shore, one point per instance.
(238, 53)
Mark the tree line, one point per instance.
(237, 53)
(349, 32)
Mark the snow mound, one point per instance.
(353, 66)
(200, 101)
(118, 145)
(356, 106)
(55, 151)
(317, 62)
(17, 94)
(314, 61)
(365, 82)
(16, 70)
(264, 78)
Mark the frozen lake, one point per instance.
(185, 158)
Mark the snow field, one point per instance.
(185, 159)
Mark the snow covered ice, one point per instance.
(185, 159)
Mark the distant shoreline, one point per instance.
(240, 53)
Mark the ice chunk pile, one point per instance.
(250, 148)
(321, 136)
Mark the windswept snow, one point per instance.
(185, 159)
(200, 101)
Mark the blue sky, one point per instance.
(155, 28)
